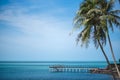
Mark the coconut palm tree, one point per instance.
(89, 24)
(94, 17)
(111, 18)
(108, 17)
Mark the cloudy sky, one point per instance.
(38, 30)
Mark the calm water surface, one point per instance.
(40, 71)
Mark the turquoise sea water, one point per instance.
(40, 71)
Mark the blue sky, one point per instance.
(38, 30)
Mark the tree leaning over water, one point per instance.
(111, 18)
(96, 18)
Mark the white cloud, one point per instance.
(41, 31)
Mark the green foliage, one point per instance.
(96, 17)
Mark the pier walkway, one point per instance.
(72, 68)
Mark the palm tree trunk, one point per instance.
(101, 47)
(107, 60)
(104, 53)
(110, 44)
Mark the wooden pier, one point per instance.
(71, 68)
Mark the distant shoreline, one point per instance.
(49, 61)
(55, 62)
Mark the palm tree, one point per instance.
(110, 16)
(93, 16)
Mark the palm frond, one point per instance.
(96, 14)
(115, 12)
(110, 5)
(110, 25)
(84, 36)
(114, 19)
(94, 11)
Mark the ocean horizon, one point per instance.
(39, 70)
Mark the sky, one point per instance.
(38, 30)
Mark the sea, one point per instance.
(39, 70)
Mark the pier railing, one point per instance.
(72, 68)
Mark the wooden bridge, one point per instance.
(72, 68)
